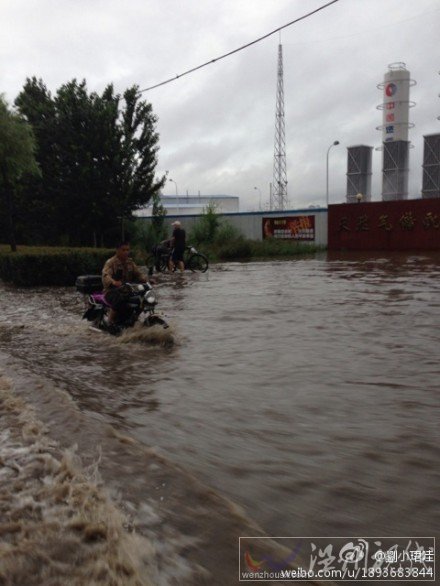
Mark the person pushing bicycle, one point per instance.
(177, 243)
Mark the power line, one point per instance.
(239, 48)
(368, 31)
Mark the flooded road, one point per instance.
(305, 391)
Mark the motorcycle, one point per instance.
(139, 303)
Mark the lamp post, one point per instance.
(177, 197)
(259, 201)
(328, 151)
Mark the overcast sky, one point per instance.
(217, 125)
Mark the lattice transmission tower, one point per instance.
(278, 200)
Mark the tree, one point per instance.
(17, 158)
(98, 155)
(205, 230)
(157, 230)
(38, 199)
(139, 153)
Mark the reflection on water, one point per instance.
(306, 391)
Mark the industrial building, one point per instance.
(188, 205)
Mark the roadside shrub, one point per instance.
(143, 236)
(238, 249)
(205, 230)
(31, 266)
(274, 247)
(226, 233)
(243, 249)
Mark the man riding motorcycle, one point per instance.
(119, 269)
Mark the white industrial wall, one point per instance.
(187, 205)
(250, 223)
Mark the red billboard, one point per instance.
(289, 228)
(385, 225)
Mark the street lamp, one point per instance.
(328, 151)
(259, 202)
(177, 197)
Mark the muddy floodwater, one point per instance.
(306, 392)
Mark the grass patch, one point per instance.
(282, 248)
(239, 249)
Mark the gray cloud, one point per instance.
(217, 125)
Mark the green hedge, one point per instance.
(32, 266)
(272, 247)
(239, 249)
(242, 249)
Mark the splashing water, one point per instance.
(154, 335)
(56, 521)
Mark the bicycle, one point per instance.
(193, 260)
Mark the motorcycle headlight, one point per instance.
(151, 298)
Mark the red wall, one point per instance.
(385, 225)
